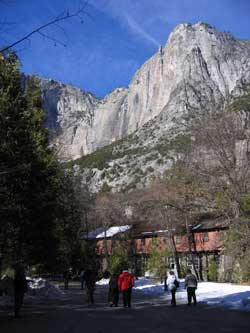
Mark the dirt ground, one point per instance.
(72, 315)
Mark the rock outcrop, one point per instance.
(198, 70)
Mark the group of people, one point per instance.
(190, 284)
(122, 282)
(88, 279)
(125, 282)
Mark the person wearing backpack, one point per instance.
(191, 285)
(172, 284)
(125, 284)
(113, 296)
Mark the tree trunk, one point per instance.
(175, 255)
(191, 253)
(106, 247)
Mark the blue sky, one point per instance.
(114, 40)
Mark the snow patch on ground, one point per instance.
(103, 282)
(216, 294)
(37, 289)
(43, 288)
(149, 286)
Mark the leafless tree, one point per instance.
(41, 30)
(107, 211)
(222, 144)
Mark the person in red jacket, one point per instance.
(125, 284)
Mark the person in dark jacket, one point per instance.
(191, 285)
(125, 284)
(20, 288)
(90, 280)
(113, 296)
(66, 277)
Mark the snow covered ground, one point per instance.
(215, 294)
(37, 289)
(43, 288)
(102, 282)
(211, 293)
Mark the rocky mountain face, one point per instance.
(197, 71)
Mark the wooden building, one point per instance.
(202, 244)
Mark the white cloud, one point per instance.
(139, 31)
(121, 10)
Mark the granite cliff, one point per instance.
(197, 71)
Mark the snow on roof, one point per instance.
(153, 232)
(196, 227)
(110, 232)
(92, 234)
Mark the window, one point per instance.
(222, 235)
(178, 239)
(205, 237)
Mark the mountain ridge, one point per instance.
(198, 70)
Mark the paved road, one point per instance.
(72, 315)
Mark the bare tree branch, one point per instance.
(66, 15)
(56, 41)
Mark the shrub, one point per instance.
(105, 188)
(213, 271)
(119, 259)
(183, 271)
(157, 263)
(238, 248)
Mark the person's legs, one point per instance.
(88, 296)
(194, 297)
(124, 296)
(18, 303)
(112, 297)
(116, 297)
(189, 295)
(173, 300)
(129, 297)
(91, 296)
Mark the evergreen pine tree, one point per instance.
(28, 172)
